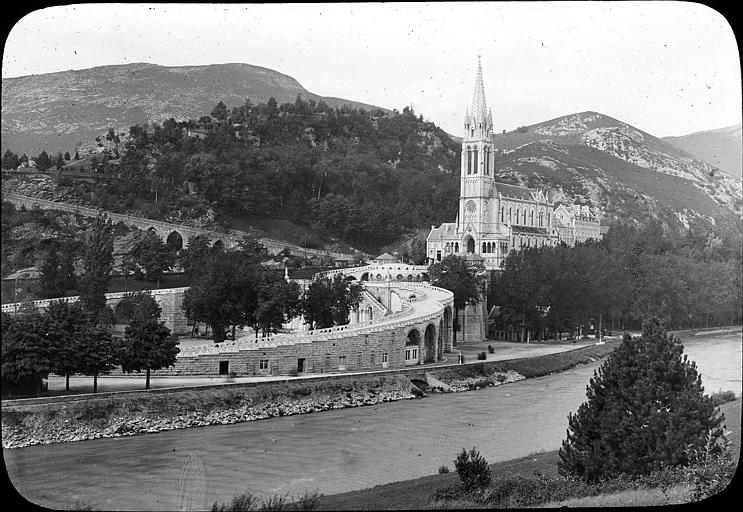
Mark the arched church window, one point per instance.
(470, 211)
(531, 217)
(524, 221)
(484, 247)
(502, 210)
(456, 247)
(438, 255)
(475, 161)
(469, 160)
(509, 215)
(541, 219)
(517, 215)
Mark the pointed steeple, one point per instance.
(479, 108)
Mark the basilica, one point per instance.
(495, 218)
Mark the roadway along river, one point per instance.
(332, 452)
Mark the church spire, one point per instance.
(479, 110)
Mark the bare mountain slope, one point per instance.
(624, 171)
(722, 148)
(62, 111)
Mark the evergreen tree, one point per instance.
(67, 156)
(43, 162)
(97, 264)
(10, 160)
(646, 406)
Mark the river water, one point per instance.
(334, 451)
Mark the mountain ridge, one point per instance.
(65, 110)
(720, 147)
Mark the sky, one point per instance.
(668, 68)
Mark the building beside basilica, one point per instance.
(495, 218)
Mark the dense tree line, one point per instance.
(689, 281)
(231, 290)
(362, 176)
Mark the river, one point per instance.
(333, 451)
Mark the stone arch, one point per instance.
(175, 240)
(350, 278)
(400, 277)
(410, 277)
(429, 344)
(369, 313)
(379, 277)
(365, 276)
(219, 245)
(424, 276)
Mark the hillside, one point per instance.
(625, 171)
(721, 148)
(66, 110)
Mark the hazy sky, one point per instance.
(669, 68)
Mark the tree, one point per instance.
(67, 156)
(645, 407)
(140, 306)
(193, 257)
(328, 302)
(147, 345)
(43, 162)
(26, 353)
(58, 161)
(99, 351)
(51, 282)
(77, 155)
(97, 263)
(219, 296)
(219, 112)
(276, 301)
(459, 277)
(66, 322)
(154, 256)
(10, 160)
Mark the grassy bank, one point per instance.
(418, 493)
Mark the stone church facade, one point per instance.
(495, 218)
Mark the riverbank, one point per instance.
(44, 421)
(418, 494)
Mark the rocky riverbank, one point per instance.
(95, 419)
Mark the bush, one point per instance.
(645, 407)
(491, 350)
(722, 397)
(443, 470)
(473, 469)
(248, 502)
(482, 355)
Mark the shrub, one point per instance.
(482, 355)
(473, 469)
(277, 502)
(491, 350)
(443, 470)
(645, 406)
(722, 397)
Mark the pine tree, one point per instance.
(645, 405)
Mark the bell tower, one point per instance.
(477, 169)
